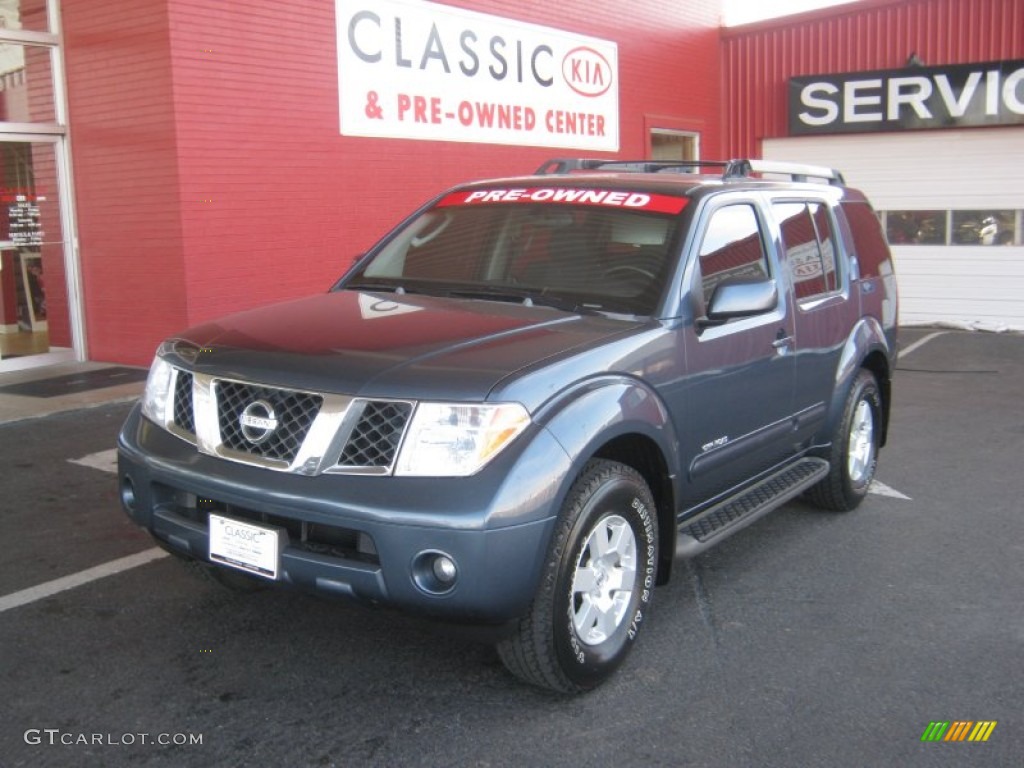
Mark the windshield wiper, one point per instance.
(491, 293)
(524, 296)
(383, 287)
(504, 293)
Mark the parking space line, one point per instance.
(105, 461)
(881, 489)
(32, 594)
(921, 342)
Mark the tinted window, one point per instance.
(615, 259)
(732, 248)
(868, 243)
(809, 247)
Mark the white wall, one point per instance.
(969, 169)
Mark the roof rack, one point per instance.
(732, 169)
(562, 165)
(796, 171)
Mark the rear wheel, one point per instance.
(596, 587)
(854, 454)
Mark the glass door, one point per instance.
(41, 319)
(34, 316)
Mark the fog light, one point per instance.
(128, 494)
(444, 569)
(434, 572)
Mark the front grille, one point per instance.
(268, 426)
(293, 411)
(375, 439)
(184, 417)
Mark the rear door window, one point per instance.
(810, 247)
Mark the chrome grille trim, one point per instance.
(373, 437)
(183, 418)
(347, 436)
(315, 451)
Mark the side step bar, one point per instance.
(700, 533)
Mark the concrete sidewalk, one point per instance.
(17, 407)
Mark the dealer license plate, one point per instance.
(245, 546)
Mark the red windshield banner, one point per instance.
(628, 199)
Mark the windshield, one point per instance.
(594, 256)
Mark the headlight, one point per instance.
(156, 401)
(454, 439)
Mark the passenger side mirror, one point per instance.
(737, 298)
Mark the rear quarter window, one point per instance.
(869, 243)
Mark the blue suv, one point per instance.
(530, 398)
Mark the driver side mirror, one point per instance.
(737, 298)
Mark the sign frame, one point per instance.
(410, 69)
(913, 98)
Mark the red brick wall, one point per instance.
(127, 188)
(245, 192)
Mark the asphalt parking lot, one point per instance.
(809, 639)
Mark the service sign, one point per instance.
(419, 70)
(955, 96)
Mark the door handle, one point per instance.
(782, 341)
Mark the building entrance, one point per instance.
(40, 310)
(33, 294)
(674, 145)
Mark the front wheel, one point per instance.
(596, 587)
(855, 443)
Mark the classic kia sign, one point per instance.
(956, 96)
(419, 70)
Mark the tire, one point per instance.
(596, 587)
(854, 453)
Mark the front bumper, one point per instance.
(362, 537)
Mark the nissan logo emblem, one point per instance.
(258, 421)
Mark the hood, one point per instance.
(386, 345)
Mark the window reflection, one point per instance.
(916, 227)
(26, 84)
(983, 228)
(24, 14)
(974, 227)
(810, 253)
(732, 248)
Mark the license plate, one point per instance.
(245, 546)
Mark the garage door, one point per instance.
(952, 203)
